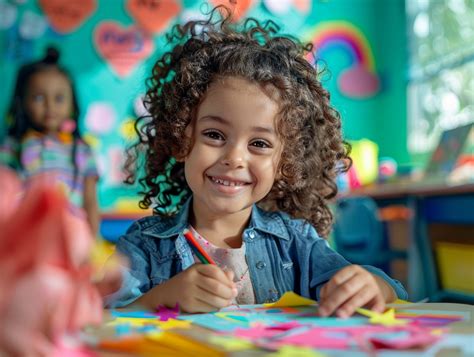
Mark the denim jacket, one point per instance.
(283, 254)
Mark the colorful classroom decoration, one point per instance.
(278, 7)
(115, 162)
(9, 15)
(67, 16)
(32, 25)
(303, 6)
(122, 48)
(360, 80)
(239, 7)
(281, 7)
(101, 118)
(364, 156)
(151, 15)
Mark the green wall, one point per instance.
(380, 117)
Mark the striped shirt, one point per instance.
(52, 154)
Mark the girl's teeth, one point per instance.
(226, 183)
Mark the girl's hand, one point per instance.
(353, 287)
(200, 288)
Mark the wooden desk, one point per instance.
(437, 207)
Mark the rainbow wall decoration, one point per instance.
(360, 80)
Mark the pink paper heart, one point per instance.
(154, 16)
(122, 48)
(66, 16)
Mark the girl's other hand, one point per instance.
(200, 288)
(350, 288)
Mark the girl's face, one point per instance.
(235, 148)
(48, 100)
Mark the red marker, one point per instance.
(202, 253)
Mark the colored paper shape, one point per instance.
(239, 8)
(405, 340)
(127, 129)
(257, 332)
(303, 6)
(32, 26)
(212, 322)
(66, 16)
(164, 313)
(291, 299)
(231, 343)
(9, 15)
(115, 160)
(153, 16)
(386, 318)
(294, 351)
(101, 118)
(122, 48)
(358, 82)
(278, 7)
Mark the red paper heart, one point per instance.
(122, 48)
(153, 15)
(239, 7)
(66, 16)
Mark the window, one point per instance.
(441, 70)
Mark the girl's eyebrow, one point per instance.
(213, 118)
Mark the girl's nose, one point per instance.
(233, 158)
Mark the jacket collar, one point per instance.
(267, 222)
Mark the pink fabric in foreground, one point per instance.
(45, 275)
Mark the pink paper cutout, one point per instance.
(45, 288)
(256, 332)
(359, 337)
(164, 313)
(358, 82)
(66, 16)
(101, 118)
(153, 16)
(122, 48)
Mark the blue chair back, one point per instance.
(358, 231)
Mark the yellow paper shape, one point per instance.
(386, 318)
(183, 345)
(231, 344)
(400, 301)
(127, 129)
(91, 140)
(294, 351)
(140, 322)
(291, 299)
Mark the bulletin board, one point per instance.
(109, 47)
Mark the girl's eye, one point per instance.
(214, 135)
(38, 98)
(261, 144)
(60, 98)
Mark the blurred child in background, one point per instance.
(43, 135)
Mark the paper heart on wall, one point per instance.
(66, 16)
(122, 48)
(239, 7)
(153, 15)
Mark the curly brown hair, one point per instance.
(314, 151)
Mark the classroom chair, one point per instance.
(360, 236)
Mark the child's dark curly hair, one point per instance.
(309, 127)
